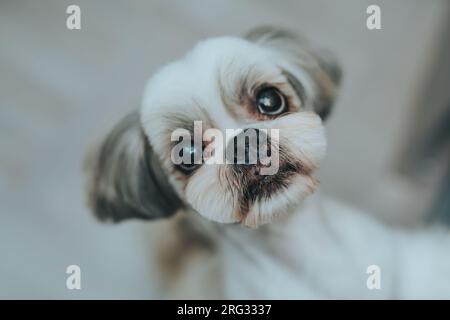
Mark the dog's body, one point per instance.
(323, 251)
(302, 247)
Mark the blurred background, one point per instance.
(61, 89)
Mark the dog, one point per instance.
(233, 232)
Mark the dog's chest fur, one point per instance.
(322, 251)
(315, 253)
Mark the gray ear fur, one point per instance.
(126, 179)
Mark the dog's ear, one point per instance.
(126, 179)
(313, 72)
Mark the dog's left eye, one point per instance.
(190, 166)
(270, 102)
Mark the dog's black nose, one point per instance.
(248, 148)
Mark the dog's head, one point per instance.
(269, 80)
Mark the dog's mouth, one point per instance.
(262, 188)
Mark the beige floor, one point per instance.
(59, 89)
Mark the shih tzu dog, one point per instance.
(234, 231)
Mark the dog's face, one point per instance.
(269, 80)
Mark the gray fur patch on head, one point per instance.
(321, 65)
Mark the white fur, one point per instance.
(322, 251)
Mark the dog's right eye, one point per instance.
(270, 102)
(191, 165)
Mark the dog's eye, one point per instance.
(270, 102)
(189, 166)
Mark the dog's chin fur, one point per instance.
(218, 202)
